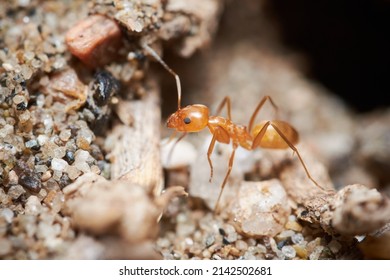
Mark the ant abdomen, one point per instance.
(273, 135)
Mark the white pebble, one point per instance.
(58, 164)
(8, 214)
(297, 238)
(33, 206)
(260, 208)
(42, 139)
(289, 251)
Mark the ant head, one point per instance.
(192, 118)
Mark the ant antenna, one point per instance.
(177, 78)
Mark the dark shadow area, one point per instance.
(346, 42)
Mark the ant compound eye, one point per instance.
(187, 120)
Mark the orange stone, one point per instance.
(94, 40)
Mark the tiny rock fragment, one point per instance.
(66, 87)
(16, 191)
(58, 164)
(94, 40)
(8, 214)
(289, 251)
(260, 208)
(33, 206)
(300, 251)
(27, 177)
(293, 226)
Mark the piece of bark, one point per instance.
(136, 154)
(202, 17)
(190, 24)
(94, 40)
(354, 210)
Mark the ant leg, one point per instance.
(174, 145)
(260, 135)
(295, 150)
(225, 101)
(209, 152)
(261, 103)
(220, 135)
(231, 160)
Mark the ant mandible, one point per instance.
(271, 134)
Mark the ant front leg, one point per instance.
(231, 160)
(209, 152)
(220, 135)
(261, 103)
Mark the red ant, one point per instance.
(271, 134)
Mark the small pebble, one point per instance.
(54, 200)
(231, 234)
(289, 251)
(206, 254)
(12, 178)
(72, 172)
(42, 139)
(316, 253)
(32, 144)
(69, 156)
(33, 206)
(241, 245)
(285, 234)
(65, 135)
(297, 238)
(46, 176)
(260, 208)
(93, 35)
(16, 191)
(293, 225)
(30, 181)
(301, 251)
(8, 214)
(58, 164)
(209, 240)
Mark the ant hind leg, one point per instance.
(295, 150)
